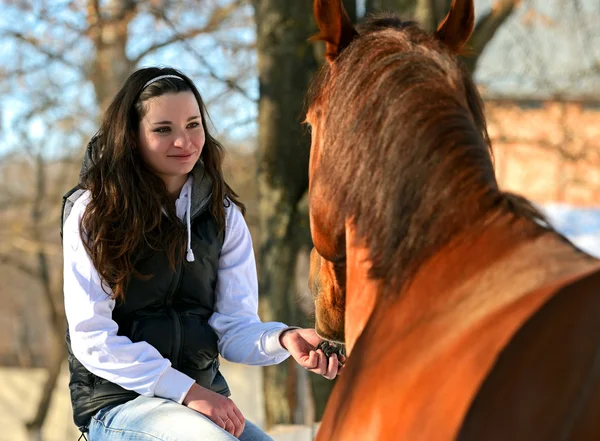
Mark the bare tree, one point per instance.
(547, 48)
(74, 49)
(429, 13)
(36, 259)
(286, 64)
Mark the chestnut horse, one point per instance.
(465, 315)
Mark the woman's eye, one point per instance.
(193, 125)
(162, 130)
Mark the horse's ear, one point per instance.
(456, 28)
(336, 28)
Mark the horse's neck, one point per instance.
(361, 291)
(482, 276)
(474, 278)
(432, 345)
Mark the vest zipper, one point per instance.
(176, 348)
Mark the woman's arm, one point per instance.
(94, 340)
(243, 338)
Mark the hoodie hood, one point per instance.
(202, 187)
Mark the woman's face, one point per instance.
(171, 135)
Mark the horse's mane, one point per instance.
(406, 151)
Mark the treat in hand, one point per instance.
(330, 348)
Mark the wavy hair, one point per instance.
(125, 212)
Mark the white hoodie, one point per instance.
(243, 338)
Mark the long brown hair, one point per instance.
(125, 212)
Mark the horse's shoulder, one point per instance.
(546, 381)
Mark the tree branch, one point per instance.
(218, 17)
(231, 84)
(486, 28)
(587, 152)
(36, 44)
(174, 39)
(27, 70)
(241, 123)
(93, 20)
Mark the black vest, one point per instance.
(170, 311)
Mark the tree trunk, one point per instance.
(57, 319)
(404, 8)
(486, 29)
(107, 28)
(108, 32)
(34, 427)
(110, 68)
(427, 13)
(286, 63)
(351, 9)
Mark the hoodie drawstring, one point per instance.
(183, 209)
(189, 256)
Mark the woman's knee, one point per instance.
(156, 419)
(254, 433)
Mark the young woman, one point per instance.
(160, 277)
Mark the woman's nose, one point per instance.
(182, 140)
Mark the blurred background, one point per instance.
(537, 63)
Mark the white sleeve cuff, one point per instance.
(173, 385)
(271, 343)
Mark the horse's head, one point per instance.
(368, 111)
(327, 284)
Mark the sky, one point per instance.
(541, 47)
(78, 97)
(532, 54)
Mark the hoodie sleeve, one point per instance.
(94, 340)
(243, 338)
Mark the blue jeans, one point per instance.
(158, 419)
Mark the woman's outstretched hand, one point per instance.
(301, 344)
(219, 409)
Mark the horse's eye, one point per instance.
(307, 125)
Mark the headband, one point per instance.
(153, 80)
